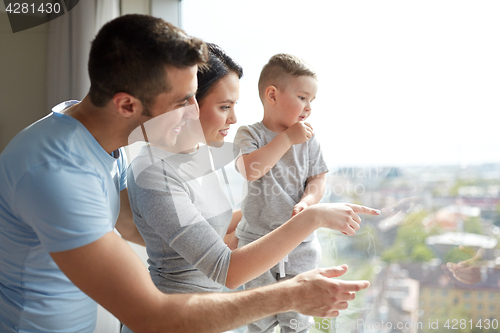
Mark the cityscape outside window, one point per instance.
(404, 113)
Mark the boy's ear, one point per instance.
(270, 95)
(126, 105)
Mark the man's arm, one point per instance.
(257, 163)
(315, 188)
(109, 271)
(125, 222)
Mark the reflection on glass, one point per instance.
(431, 257)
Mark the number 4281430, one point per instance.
(30, 8)
(455, 324)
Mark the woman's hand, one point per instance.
(250, 261)
(341, 216)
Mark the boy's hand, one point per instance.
(231, 240)
(298, 208)
(299, 132)
(342, 217)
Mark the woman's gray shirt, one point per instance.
(182, 214)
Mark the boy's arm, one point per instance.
(111, 273)
(315, 188)
(230, 238)
(256, 164)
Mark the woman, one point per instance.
(183, 214)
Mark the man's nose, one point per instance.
(192, 110)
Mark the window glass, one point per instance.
(407, 115)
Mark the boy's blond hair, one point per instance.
(277, 71)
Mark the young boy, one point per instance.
(282, 161)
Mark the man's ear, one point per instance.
(127, 105)
(270, 94)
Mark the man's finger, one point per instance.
(348, 286)
(342, 305)
(364, 210)
(347, 296)
(335, 314)
(335, 271)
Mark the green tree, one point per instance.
(460, 183)
(457, 255)
(409, 245)
(473, 225)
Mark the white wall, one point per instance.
(135, 7)
(169, 10)
(23, 71)
(23, 63)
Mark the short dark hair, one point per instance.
(129, 54)
(219, 65)
(279, 67)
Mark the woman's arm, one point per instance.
(111, 273)
(250, 261)
(171, 213)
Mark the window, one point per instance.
(378, 63)
(404, 111)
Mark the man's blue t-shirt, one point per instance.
(59, 191)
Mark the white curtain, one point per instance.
(68, 51)
(69, 41)
(105, 11)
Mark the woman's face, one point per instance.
(217, 109)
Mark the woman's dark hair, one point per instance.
(219, 65)
(129, 54)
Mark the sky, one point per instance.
(400, 82)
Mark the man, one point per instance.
(60, 197)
